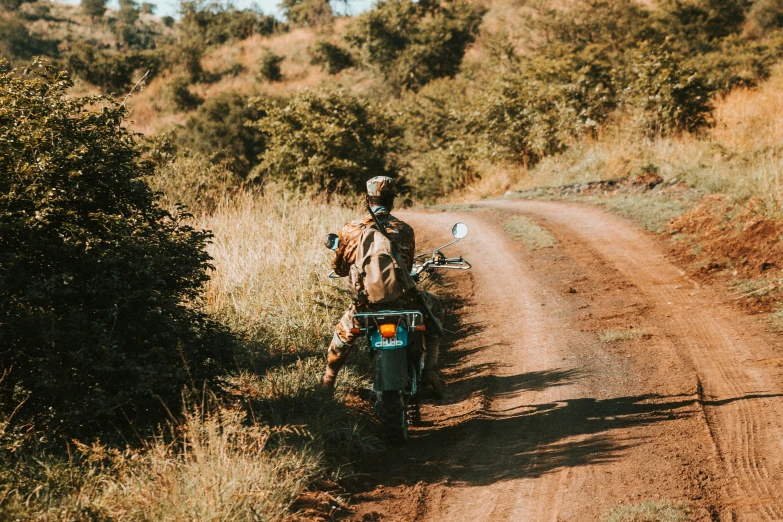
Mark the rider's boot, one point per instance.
(430, 376)
(330, 379)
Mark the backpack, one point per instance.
(378, 273)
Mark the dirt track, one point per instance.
(543, 421)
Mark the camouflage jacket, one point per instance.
(400, 233)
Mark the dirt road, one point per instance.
(550, 417)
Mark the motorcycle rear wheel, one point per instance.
(393, 416)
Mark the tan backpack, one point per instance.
(378, 273)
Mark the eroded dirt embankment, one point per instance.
(545, 421)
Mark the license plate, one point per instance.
(398, 341)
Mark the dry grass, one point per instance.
(220, 469)
(750, 119)
(270, 279)
(530, 233)
(650, 511)
(613, 336)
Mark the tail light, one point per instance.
(420, 328)
(388, 330)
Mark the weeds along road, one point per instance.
(545, 421)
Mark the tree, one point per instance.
(327, 140)
(411, 43)
(94, 8)
(97, 281)
(307, 13)
(269, 66)
(218, 129)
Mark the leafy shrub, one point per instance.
(13, 5)
(269, 66)
(436, 136)
(538, 107)
(590, 22)
(332, 57)
(697, 24)
(16, 42)
(307, 13)
(95, 277)
(188, 54)
(128, 12)
(766, 15)
(667, 96)
(112, 72)
(327, 140)
(736, 62)
(180, 94)
(214, 22)
(94, 8)
(218, 130)
(412, 43)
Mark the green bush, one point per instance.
(411, 43)
(766, 15)
(665, 95)
(16, 42)
(269, 66)
(215, 22)
(96, 279)
(331, 57)
(180, 94)
(697, 24)
(218, 129)
(94, 8)
(327, 140)
(307, 13)
(13, 5)
(584, 23)
(112, 72)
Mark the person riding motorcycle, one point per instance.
(380, 198)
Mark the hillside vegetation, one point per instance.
(163, 301)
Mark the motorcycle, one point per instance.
(396, 341)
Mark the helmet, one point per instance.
(380, 186)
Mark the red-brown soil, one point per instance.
(543, 421)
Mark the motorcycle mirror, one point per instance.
(459, 230)
(332, 241)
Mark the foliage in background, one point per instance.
(269, 66)
(327, 140)
(219, 130)
(411, 43)
(93, 8)
(112, 72)
(214, 22)
(332, 57)
(95, 278)
(307, 13)
(667, 96)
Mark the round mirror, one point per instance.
(331, 241)
(459, 230)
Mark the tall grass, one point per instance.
(270, 280)
(273, 431)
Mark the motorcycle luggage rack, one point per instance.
(411, 317)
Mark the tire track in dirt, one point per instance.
(542, 421)
(741, 398)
